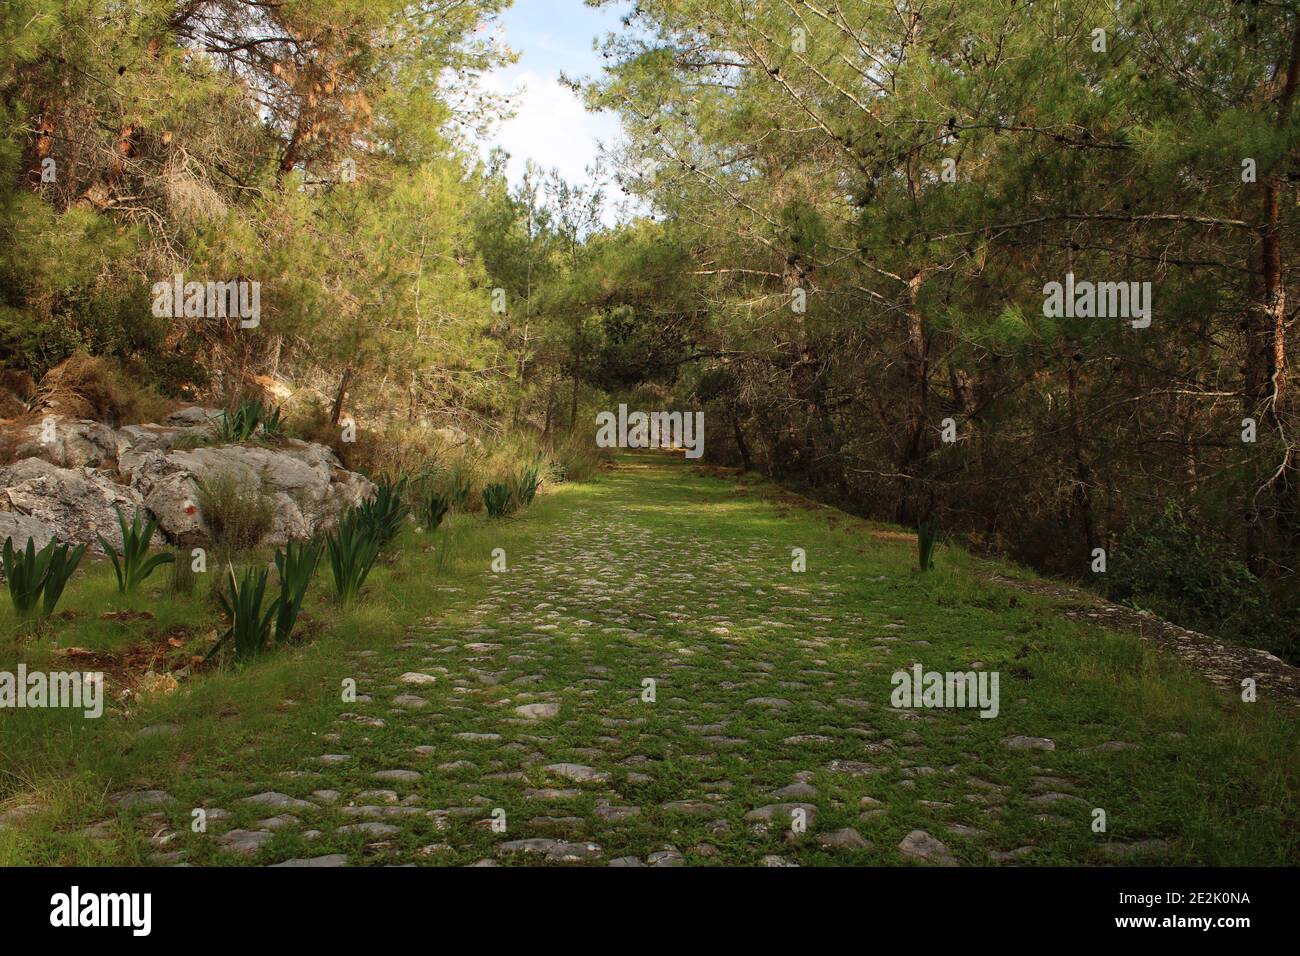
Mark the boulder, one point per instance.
(193, 415)
(68, 443)
(75, 504)
(306, 483)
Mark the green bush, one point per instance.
(37, 578)
(133, 565)
(1186, 574)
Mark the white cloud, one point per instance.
(550, 126)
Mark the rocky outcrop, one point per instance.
(306, 483)
(69, 443)
(73, 472)
(72, 504)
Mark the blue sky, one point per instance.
(551, 127)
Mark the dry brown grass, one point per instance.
(87, 386)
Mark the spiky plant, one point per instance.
(498, 499)
(384, 513)
(526, 484)
(352, 549)
(37, 578)
(433, 509)
(133, 565)
(248, 625)
(294, 566)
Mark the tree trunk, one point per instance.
(1082, 471)
(741, 445)
(1266, 373)
(337, 411)
(915, 362)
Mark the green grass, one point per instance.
(656, 571)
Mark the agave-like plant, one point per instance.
(352, 549)
(433, 509)
(25, 572)
(248, 626)
(241, 423)
(498, 499)
(294, 566)
(133, 565)
(37, 578)
(273, 422)
(526, 483)
(62, 563)
(384, 513)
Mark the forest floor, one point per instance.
(649, 682)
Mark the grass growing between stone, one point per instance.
(522, 691)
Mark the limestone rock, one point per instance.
(75, 504)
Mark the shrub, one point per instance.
(248, 626)
(182, 574)
(37, 578)
(234, 508)
(134, 563)
(352, 551)
(1166, 565)
(381, 449)
(294, 566)
(576, 457)
(86, 386)
(310, 421)
(498, 499)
